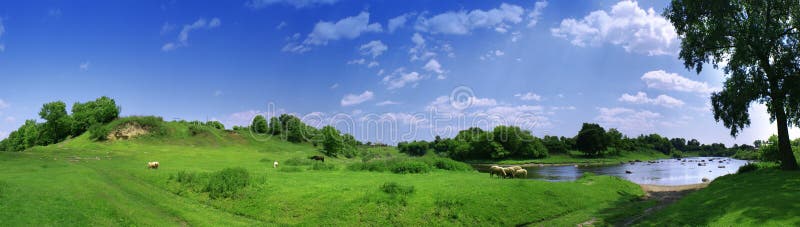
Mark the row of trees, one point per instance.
(592, 140)
(290, 128)
(59, 125)
(475, 143)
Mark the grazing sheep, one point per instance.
(515, 168)
(275, 164)
(496, 170)
(152, 165)
(521, 173)
(318, 158)
(509, 172)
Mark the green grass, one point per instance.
(575, 157)
(80, 182)
(765, 197)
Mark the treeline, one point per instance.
(592, 140)
(290, 128)
(59, 125)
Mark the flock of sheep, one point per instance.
(508, 172)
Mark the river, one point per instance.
(659, 172)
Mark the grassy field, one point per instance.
(575, 157)
(766, 197)
(80, 182)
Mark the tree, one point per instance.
(274, 126)
(554, 145)
(259, 124)
(295, 130)
(100, 111)
(758, 44)
(678, 143)
(332, 144)
(693, 145)
(58, 124)
(591, 139)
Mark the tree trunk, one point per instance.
(788, 162)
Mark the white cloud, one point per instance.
(492, 54)
(282, 25)
(462, 22)
(400, 79)
(347, 28)
(2, 27)
(84, 66)
(334, 86)
(10, 119)
(528, 96)
(167, 27)
(386, 103)
(397, 22)
(373, 64)
(419, 51)
(433, 66)
(183, 36)
(628, 121)
(4, 104)
(359, 61)
(374, 48)
(635, 29)
(536, 13)
(2, 47)
(660, 79)
(352, 99)
(661, 100)
(258, 4)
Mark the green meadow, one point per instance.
(83, 182)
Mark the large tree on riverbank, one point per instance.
(758, 45)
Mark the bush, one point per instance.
(749, 167)
(227, 183)
(154, 125)
(199, 129)
(290, 169)
(410, 167)
(185, 177)
(322, 166)
(98, 132)
(298, 162)
(393, 188)
(447, 164)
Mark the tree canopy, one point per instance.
(756, 43)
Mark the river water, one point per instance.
(659, 172)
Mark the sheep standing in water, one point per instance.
(521, 173)
(496, 170)
(509, 172)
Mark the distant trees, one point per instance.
(591, 139)
(259, 124)
(475, 143)
(59, 125)
(335, 144)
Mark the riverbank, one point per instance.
(765, 197)
(576, 158)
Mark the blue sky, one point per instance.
(382, 70)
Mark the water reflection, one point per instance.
(660, 172)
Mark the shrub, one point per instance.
(98, 132)
(227, 182)
(393, 188)
(185, 177)
(298, 162)
(322, 166)
(447, 164)
(410, 167)
(749, 167)
(290, 169)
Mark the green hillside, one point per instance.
(84, 182)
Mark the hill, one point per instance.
(84, 182)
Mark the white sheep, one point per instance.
(275, 164)
(496, 170)
(152, 165)
(521, 173)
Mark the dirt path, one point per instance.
(664, 195)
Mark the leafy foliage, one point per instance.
(757, 44)
(259, 124)
(227, 182)
(591, 139)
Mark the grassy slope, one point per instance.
(766, 197)
(65, 184)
